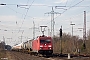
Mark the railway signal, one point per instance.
(60, 32)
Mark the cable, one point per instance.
(66, 3)
(26, 14)
(21, 13)
(70, 8)
(18, 12)
(77, 24)
(73, 1)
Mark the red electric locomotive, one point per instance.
(43, 45)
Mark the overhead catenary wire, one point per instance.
(11, 4)
(18, 13)
(69, 8)
(76, 15)
(25, 16)
(78, 24)
(74, 18)
(66, 6)
(26, 13)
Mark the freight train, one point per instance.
(41, 45)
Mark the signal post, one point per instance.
(60, 40)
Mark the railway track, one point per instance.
(13, 55)
(65, 57)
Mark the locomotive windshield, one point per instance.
(45, 41)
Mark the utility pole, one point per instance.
(48, 31)
(52, 20)
(72, 28)
(84, 30)
(3, 39)
(4, 42)
(72, 38)
(22, 36)
(33, 30)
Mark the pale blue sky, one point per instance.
(16, 19)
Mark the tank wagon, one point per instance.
(27, 46)
(17, 47)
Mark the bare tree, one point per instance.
(88, 34)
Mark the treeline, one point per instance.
(71, 44)
(2, 45)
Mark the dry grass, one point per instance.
(2, 54)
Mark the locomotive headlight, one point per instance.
(41, 46)
(49, 46)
